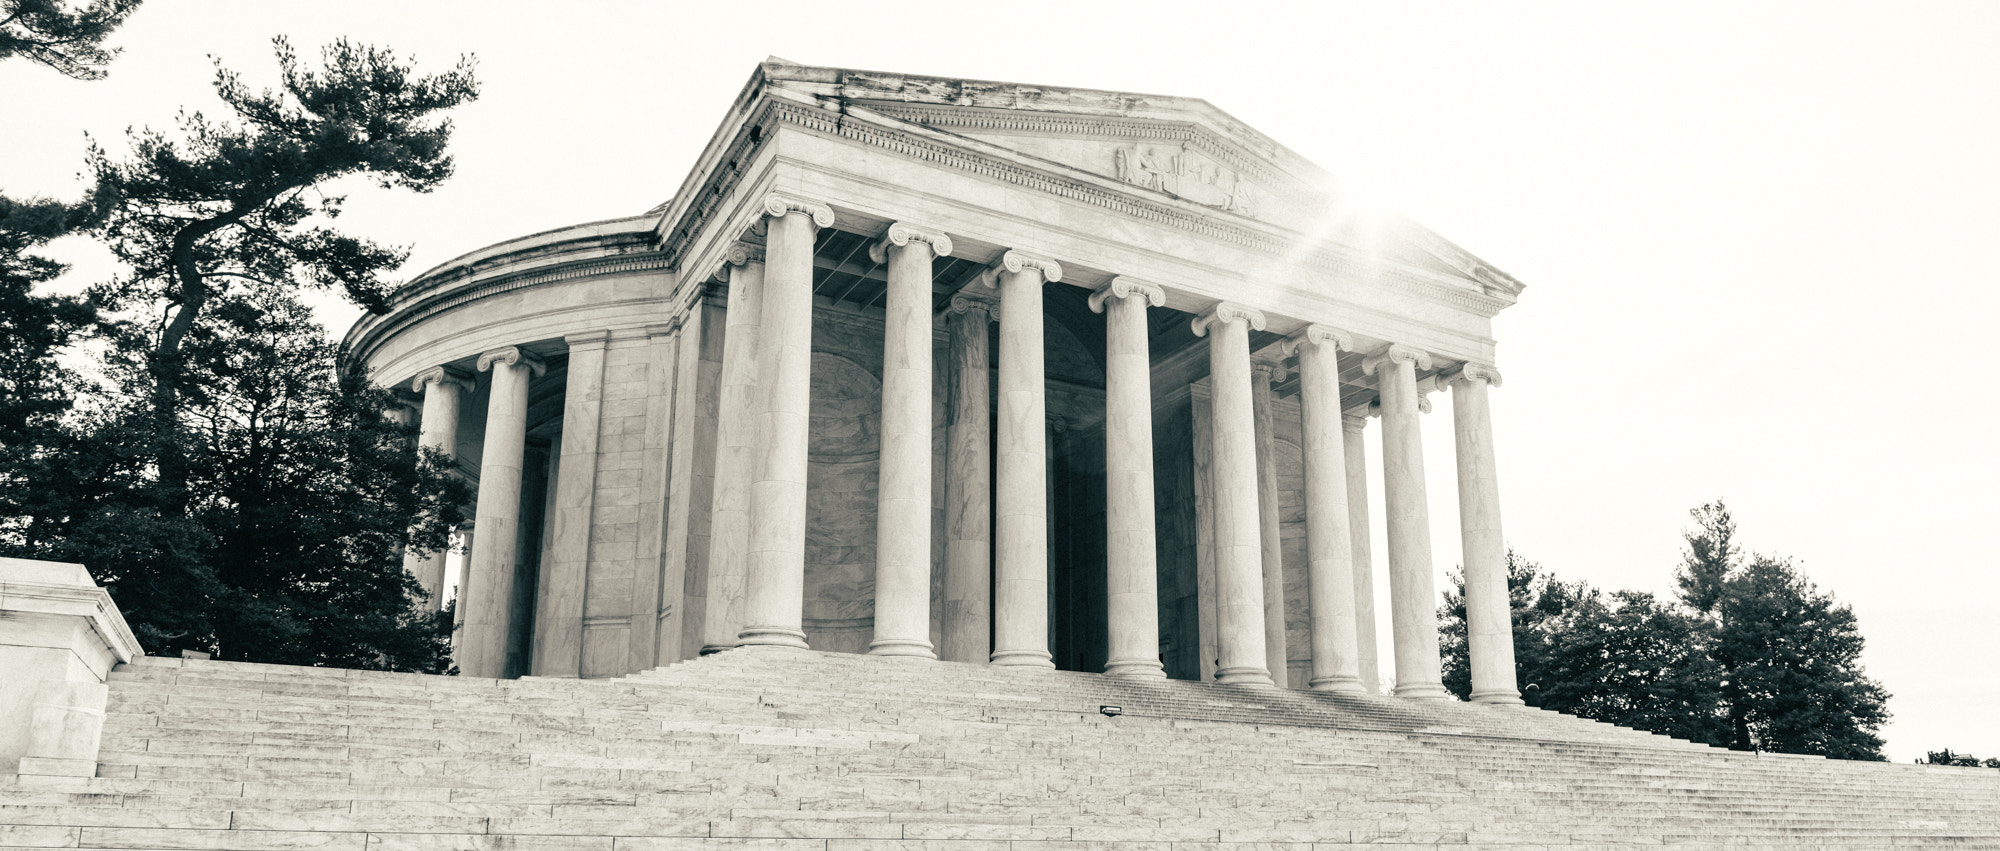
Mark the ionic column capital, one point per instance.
(1394, 353)
(511, 356)
(903, 234)
(443, 376)
(1124, 287)
(1471, 372)
(964, 302)
(739, 254)
(1353, 422)
(778, 205)
(1016, 261)
(1318, 336)
(1267, 372)
(1226, 312)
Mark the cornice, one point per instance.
(85, 600)
(404, 317)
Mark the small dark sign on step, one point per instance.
(1111, 711)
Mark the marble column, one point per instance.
(1358, 529)
(735, 452)
(441, 389)
(465, 551)
(1329, 544)
(1412, 589)
(775, 581)
(488, 599)
(968, 541)
(903, 547)
(558, 644)
(1488, 612)
(1020, 495)
(1271, 539)
(1131, 561)
(1239, 558)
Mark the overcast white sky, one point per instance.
(1758, 237)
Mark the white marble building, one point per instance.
(964, 370)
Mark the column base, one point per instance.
(771, 636)
(1142, 669)
(1024, 659)
(712, 649)
(1338, 685)
(1245, 676)
(905, 648)
(1422, 691)
(1499, 697)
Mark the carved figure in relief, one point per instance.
(1184, 175)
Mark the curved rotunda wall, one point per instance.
(579, 279)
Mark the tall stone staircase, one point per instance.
(775, 749)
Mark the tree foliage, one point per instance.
(234, 490)
(1624, 657)
(1790, 654)
(1750, 655)
(1963, 760)
(235, 202)
(68, 37)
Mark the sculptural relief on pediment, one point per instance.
(1185, 174)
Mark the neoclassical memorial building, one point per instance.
(972, 371)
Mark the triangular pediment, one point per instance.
(1179, 153)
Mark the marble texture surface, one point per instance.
(1131, 567)
(60, 636)
(774, 595)
(1239, 575)
(481, 650)
(902, 530)
(968, 584)
(1488, 610)
(1330, 547)
(1412, 588)
(735, 461)
(1020, 494)
(1270, 535)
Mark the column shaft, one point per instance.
(1239, 580)
(1329, 546)
(1020, 495)
(735, 457)
(558, 649)
(1359, 532)
(1269, 537)
(902, 520)
(774, 595)
(1412, 590)
(968, 546)
(488, 601)
(1132, 573)
(1488, 610)
(438, 429)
